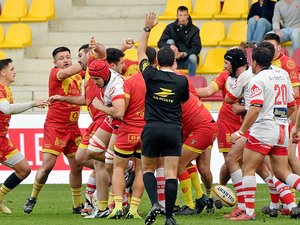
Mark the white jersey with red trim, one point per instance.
(272, 90)
(113, 90)
(240, 87)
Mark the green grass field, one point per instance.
(54, 208)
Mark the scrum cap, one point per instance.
(100, 68)
(237, 58)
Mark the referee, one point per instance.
(161, 137)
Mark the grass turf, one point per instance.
(54, 208)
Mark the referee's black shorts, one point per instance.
(161, 139)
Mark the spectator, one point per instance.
(288, 11)
(259, 20)
(184, 36)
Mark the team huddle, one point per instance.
(151, 125)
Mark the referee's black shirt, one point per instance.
(165, 93)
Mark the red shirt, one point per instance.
(225, 112)
(130, 68)
(5, 95)
(194, 113)
(92, 91)
(135, 90)
(63, 113)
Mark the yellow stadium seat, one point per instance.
(1, 34)
(236, 34)
(253, 1)
(244, 16)
(213, 62)
(171, 9)
(131, 54)
(13, 10)
(206, 9)
(212, 32)
(2, 55)
(233, 9)
(155, 34)
(17, 36)
(40, 11)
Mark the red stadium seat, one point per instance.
(197, 81)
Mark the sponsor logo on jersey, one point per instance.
(254, 91)
(163, 94)
(290, 64)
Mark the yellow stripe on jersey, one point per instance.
(11, 154)
(127, 95)
(53, 152)
(215, 85)
(127, 152)
(196, 150)
(296, 84)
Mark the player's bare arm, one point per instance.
(128, 43)
(150, 22)
(76, 100)
(116, 111)
(206, 91)
(98, 48)
(73, 69)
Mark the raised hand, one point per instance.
(151, 20)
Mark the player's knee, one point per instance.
(23, 173)
(45, 171)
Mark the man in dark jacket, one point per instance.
(184, 39)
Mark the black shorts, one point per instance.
(161, 139)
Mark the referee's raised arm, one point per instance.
(150, 22)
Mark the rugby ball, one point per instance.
(225, 195)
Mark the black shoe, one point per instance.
(295, 213)
(170, 221)
(200, 203)
(29, 205)
(210, 209)
(218, 204)
(154, 211)
(78, 210)
(185, 210)
(176, 209)
(271, 212)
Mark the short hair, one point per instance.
(60, 49)
(165, 56)
(262, 56)
(4, 63)
(272, 36)
(182, 8)
(269, 46)
(113, 55)
(151, 54)
(85, 47)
